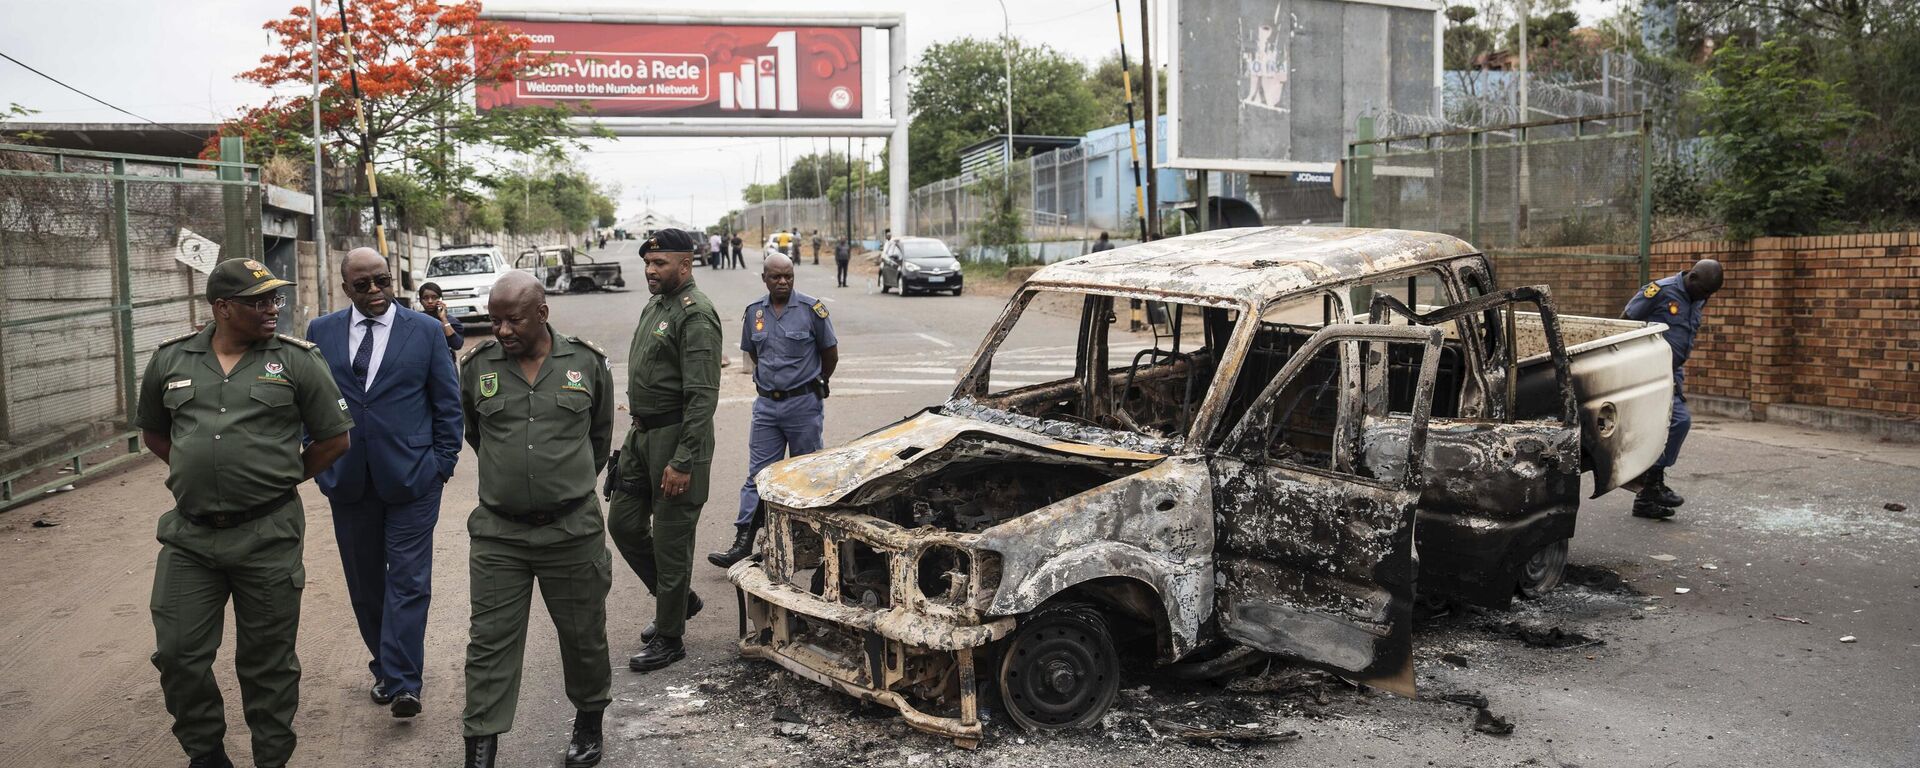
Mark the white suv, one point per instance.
(465, 274)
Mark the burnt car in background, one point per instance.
(1321, 421)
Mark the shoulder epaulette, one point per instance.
(686, 300)
(296, 341)
(595, 346)
(179, 338)
(820, 308)
(477, 348)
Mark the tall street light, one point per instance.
(1006, 51)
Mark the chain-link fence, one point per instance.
(94, 274)
(1555, 192)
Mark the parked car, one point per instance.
(466, 274)
(1251, 475)
(919, 264)
(565, 270)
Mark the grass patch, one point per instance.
(984, 270)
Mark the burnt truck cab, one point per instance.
(1310, 423)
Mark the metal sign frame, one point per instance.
(893, 127)
(1175, 160)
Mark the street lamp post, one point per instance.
(1006, 53)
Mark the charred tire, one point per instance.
(1542, 571)
(580, 285)
(1059, 670)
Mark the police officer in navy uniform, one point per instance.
(792, 351)
(1679, 301)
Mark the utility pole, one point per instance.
(1153, 116)
(1006, 54)
(1526, 116)
(323, 295)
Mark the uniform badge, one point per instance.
(820, 308)
(275, 373)
(343, 403)
(1673, 307)
(1653, 289)
(661, 329)
(489, 384)
(759, 319)
(575, 381)
(180, 383)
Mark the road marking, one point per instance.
(935, 339)
(928, 382)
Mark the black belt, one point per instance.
(809, 388)
(231, 519)
(658, 420)
(545, 516)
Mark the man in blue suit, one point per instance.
(399, 384)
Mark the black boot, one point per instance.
(742, 546)
(693, 609)
(584, 750)
(481, 751)
(215, 759)
(1645, 507)
(1653, 487)
(660, 652)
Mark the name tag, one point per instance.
(179, 384)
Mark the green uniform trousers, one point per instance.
(258, 565)
(569, 558)
(655, 534)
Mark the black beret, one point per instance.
(670, 240)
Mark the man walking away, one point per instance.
(539, 414)
(842, 256)
(792, 352)
(673, 386)
(816, 246)
(393, 367)
(1680, 301)
(225, 408)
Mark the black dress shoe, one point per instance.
(215, 759)
(380, 694)
(406, 704)
(584, 750)
(693, 609)
(660, 652)
(1644, 507)
(481, 751)
(742, 546)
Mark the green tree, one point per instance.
(15, 112)
(1002, 226)
(1110, 94)
(1767, 124)
(958, 98)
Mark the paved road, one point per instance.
(1792, 521)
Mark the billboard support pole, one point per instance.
(1133, 139)
(897, 143)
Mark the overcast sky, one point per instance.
(176, 61)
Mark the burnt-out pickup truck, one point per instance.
(1316, 423)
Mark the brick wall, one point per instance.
(1829, 322)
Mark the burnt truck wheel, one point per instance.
(581, 285)
(1542, 572)
(1058, 670)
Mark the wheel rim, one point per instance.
(1059, 671)
(1543, 571)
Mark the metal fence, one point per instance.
(1576, 188)
(93, 276)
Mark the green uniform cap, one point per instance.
(241, 277)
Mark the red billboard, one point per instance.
(677, 70)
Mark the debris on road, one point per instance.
(1475, 700)
(1894, 506)
(1455, 659)
(794, 731)
(1848, 639)
(1792, 619)
(44, 523)
(1489, 723)
(1709, 567)
(1681, 590)
(1664, 558)
(1234, 734)
(1549, 637)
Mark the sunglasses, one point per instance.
(263, 303)
(366, 284)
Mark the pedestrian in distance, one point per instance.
(450, 326)
(1102, 244)
(1680, 301)
(842, 256)
(394, 371)
(739, 255)
(539, 415)
(716, 250)
(241, 415)
(792, 351)
(816, 246)
(673, 387)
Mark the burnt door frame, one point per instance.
(1318, 563)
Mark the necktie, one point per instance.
(363, 356)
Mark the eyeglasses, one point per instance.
(262, 304)
(366, 284)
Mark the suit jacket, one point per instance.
(406, 428)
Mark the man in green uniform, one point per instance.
(225, 408)
(673, 385)
(539, 412)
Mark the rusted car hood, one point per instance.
(825, 477)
